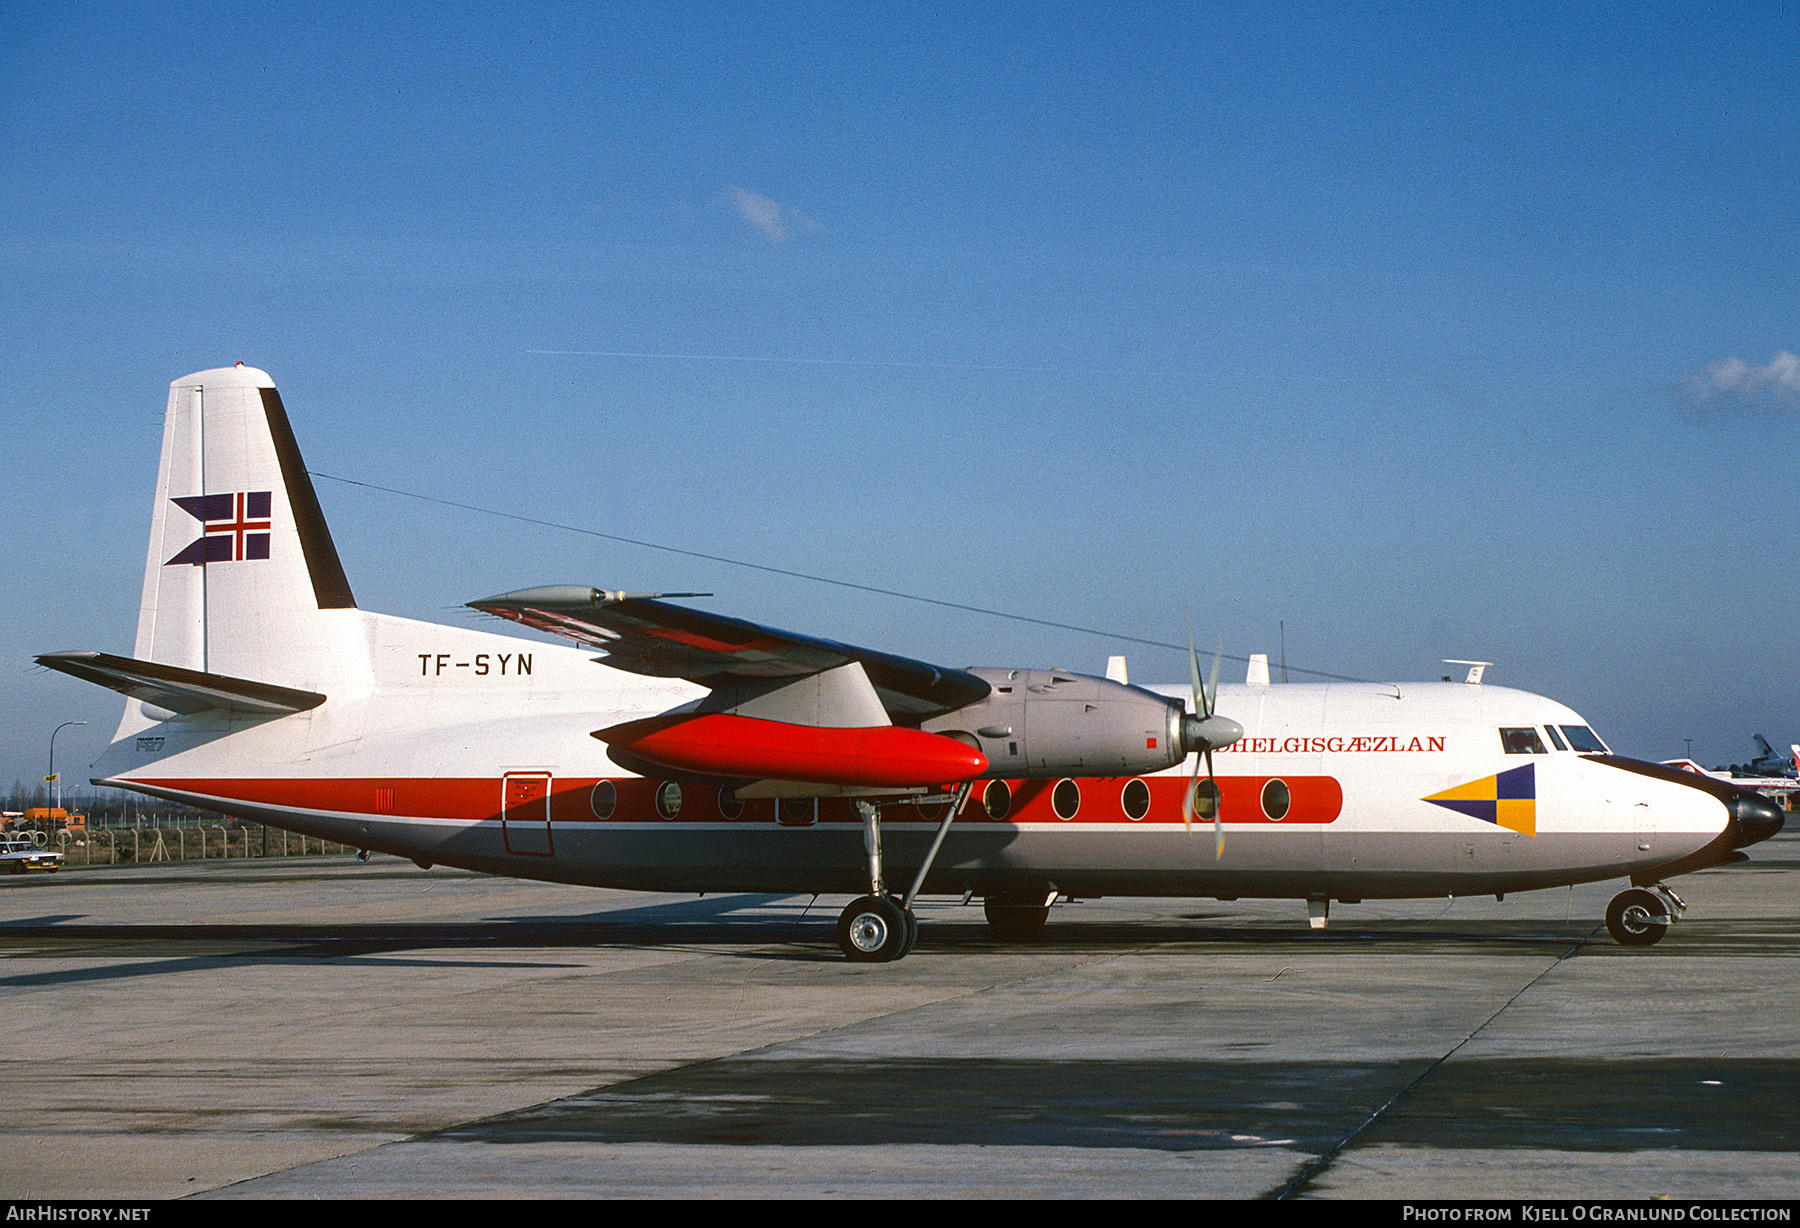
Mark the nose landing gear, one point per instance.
(1640, 917)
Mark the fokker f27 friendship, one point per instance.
(679, 750)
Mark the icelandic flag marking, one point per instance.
(236, 527)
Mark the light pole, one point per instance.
(51, 779)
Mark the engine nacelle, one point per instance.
(1044, 722)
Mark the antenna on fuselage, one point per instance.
(1475, 668)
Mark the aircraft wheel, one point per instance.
(912, 934)
(873, 930)
(1009, 920)
(1631, 918)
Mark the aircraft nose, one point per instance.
(1753, 818)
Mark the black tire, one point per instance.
(1631, 918)
(1011, 919)
(872, 929)
(912, 934)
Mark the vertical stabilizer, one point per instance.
(242, 574)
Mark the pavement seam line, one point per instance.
(1297, 1184)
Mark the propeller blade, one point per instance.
(1201, 708)
(1218, 804)
(1203, 731)
(1213, 800)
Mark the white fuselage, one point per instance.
(291, 706)
(467, 748)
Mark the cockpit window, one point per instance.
(1555, 737)
(1522, 742)
(1582, 739)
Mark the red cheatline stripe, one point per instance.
(1315, 799)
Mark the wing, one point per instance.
(647, 636)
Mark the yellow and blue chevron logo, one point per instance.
(1507, 799)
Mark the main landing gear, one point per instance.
(1639, 917)
(877, 928)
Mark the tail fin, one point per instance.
(241, 566)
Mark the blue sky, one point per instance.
(1427, 332)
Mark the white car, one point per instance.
(18, 856)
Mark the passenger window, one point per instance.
(1522, 742)
(1275, 800)
(1135, 799)
(604, 799)
(997, 799)
(1555, 738)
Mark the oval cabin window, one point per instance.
(1275, 800)
(997, 799)
(604, 800)
(1135, 799)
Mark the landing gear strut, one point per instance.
(1640, 917)
(877, 928)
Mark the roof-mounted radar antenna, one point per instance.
(1475, 668)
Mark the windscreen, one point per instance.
(1581, 738)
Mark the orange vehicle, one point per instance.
(52, 819)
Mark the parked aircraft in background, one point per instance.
(1768, 762)
(681, 750)
(1769, 774)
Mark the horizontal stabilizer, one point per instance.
(187, 691)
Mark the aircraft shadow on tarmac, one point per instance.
(785, 928)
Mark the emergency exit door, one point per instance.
(525, 813)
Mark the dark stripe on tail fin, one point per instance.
(330, 586)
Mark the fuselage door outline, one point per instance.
(525, 813)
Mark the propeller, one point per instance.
(1202, 732)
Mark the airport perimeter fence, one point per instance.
(128, 846)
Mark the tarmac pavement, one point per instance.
(320, 1028)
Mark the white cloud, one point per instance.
(775, 220)
(1734, 382)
